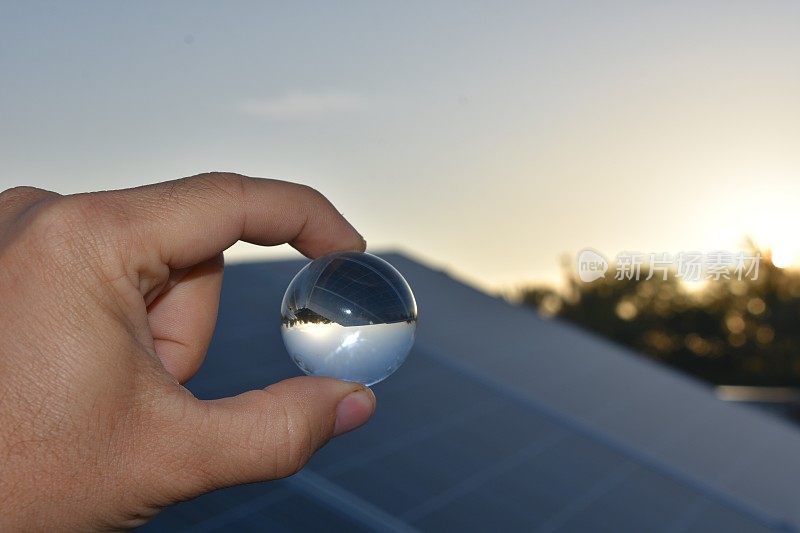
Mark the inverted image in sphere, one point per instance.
(350, 316)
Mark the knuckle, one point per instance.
(23, 197)
(22, 192)
(312, 193)
(51, 217)
(319, 205)
(226, 184)
(103, 216)
(58, 224)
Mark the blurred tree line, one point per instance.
(731, 332)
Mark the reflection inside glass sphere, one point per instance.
(349, 315)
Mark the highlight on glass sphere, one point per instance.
(350, 316)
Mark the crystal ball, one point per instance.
(350, 316)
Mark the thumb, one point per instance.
(271, 433)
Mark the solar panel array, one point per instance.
(352, 289)
(444, 451)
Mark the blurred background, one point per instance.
(495, 140)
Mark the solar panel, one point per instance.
(444, 451)
(368, 289)
(646, 500)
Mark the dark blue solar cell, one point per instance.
(351, 289)
(298, 513)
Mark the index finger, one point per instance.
(190, 220)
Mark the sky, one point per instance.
(485, 138)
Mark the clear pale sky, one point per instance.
(486, 138)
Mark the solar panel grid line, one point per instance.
(313, 486)
(481, 476)
(691, 513)
(686, 521)
(350, 281)
(687, 518)
(388, 282)
(409, 439)
(375, 317)
(313, 281)
(238, 511)
(583, 499)
(746, 508)
(344, 501)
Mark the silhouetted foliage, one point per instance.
(729, 332)
(305, 316)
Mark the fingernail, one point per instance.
(354, 410)
(363, 240)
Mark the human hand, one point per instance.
(108, 302)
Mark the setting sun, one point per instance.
(784, 256)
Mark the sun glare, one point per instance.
(784, 256)
(694, 286)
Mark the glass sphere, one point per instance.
(350, 316)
